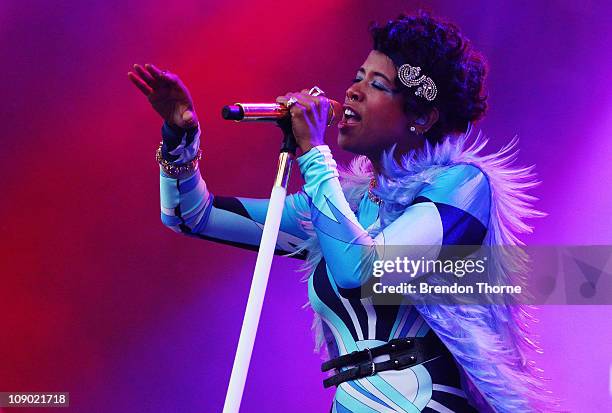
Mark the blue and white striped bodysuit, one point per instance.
(454, 209)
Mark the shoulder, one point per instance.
(459, 175)
(462, 186)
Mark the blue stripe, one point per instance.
(423, 330)
(409, 322)
(189, 183)
(204, 219)
(343, 229)
(192, 201)
(352, 404)
(398, 319)
(321, 308)
(357, 386)
(339, 408)
(393, 393)
(170, 220)
(460, 227)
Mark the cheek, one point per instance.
(391, 121)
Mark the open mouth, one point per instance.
(350, 116)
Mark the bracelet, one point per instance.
(177, 171)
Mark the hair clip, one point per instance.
(409, 76)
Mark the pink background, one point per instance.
(100, 300)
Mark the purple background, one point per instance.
(99, 299)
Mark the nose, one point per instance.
(353, 93)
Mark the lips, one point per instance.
(350, 116)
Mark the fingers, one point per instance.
(150, 77)
(140, 84)
(154, 71)
(315, 108)
(285, 98)
(145, 75)
(307, 103)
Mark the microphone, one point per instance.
(270, 112)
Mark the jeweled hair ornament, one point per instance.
(409, 76)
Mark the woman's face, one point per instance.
(378, 120)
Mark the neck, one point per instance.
(400, 152)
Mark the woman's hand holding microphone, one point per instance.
(309, 117)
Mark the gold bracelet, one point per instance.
(177, 171)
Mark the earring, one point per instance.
(412, 129)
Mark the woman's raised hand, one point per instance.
(166, 93)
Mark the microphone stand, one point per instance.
(261, 273)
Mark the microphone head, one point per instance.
(232, 112)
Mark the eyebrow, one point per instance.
(361, 69)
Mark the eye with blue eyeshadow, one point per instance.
(375, 84)
(380, 86)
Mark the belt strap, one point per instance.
(403, 353)
(393, 346)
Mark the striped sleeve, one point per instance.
(189, 208)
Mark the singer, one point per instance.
(419, 179)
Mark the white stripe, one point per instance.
(404, 381)
(366, 400)
(402, 322)
(449, 389)
(434, 405)
(167, 211)
(369, 307)
(367, 384)
(422, 240)
(423, 396)
(418, 322)
(353, 315)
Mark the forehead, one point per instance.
(379, 62)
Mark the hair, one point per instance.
(446, 56)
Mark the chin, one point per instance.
(347, 144)
(342, 141)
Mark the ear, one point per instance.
(425, 122)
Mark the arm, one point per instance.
(453, 210)
(186, 204)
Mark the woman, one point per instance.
(416, 182)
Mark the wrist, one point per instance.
(179, 145)
(306, 148)
(174, 170)
(316, 156)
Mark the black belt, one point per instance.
(403, 353)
